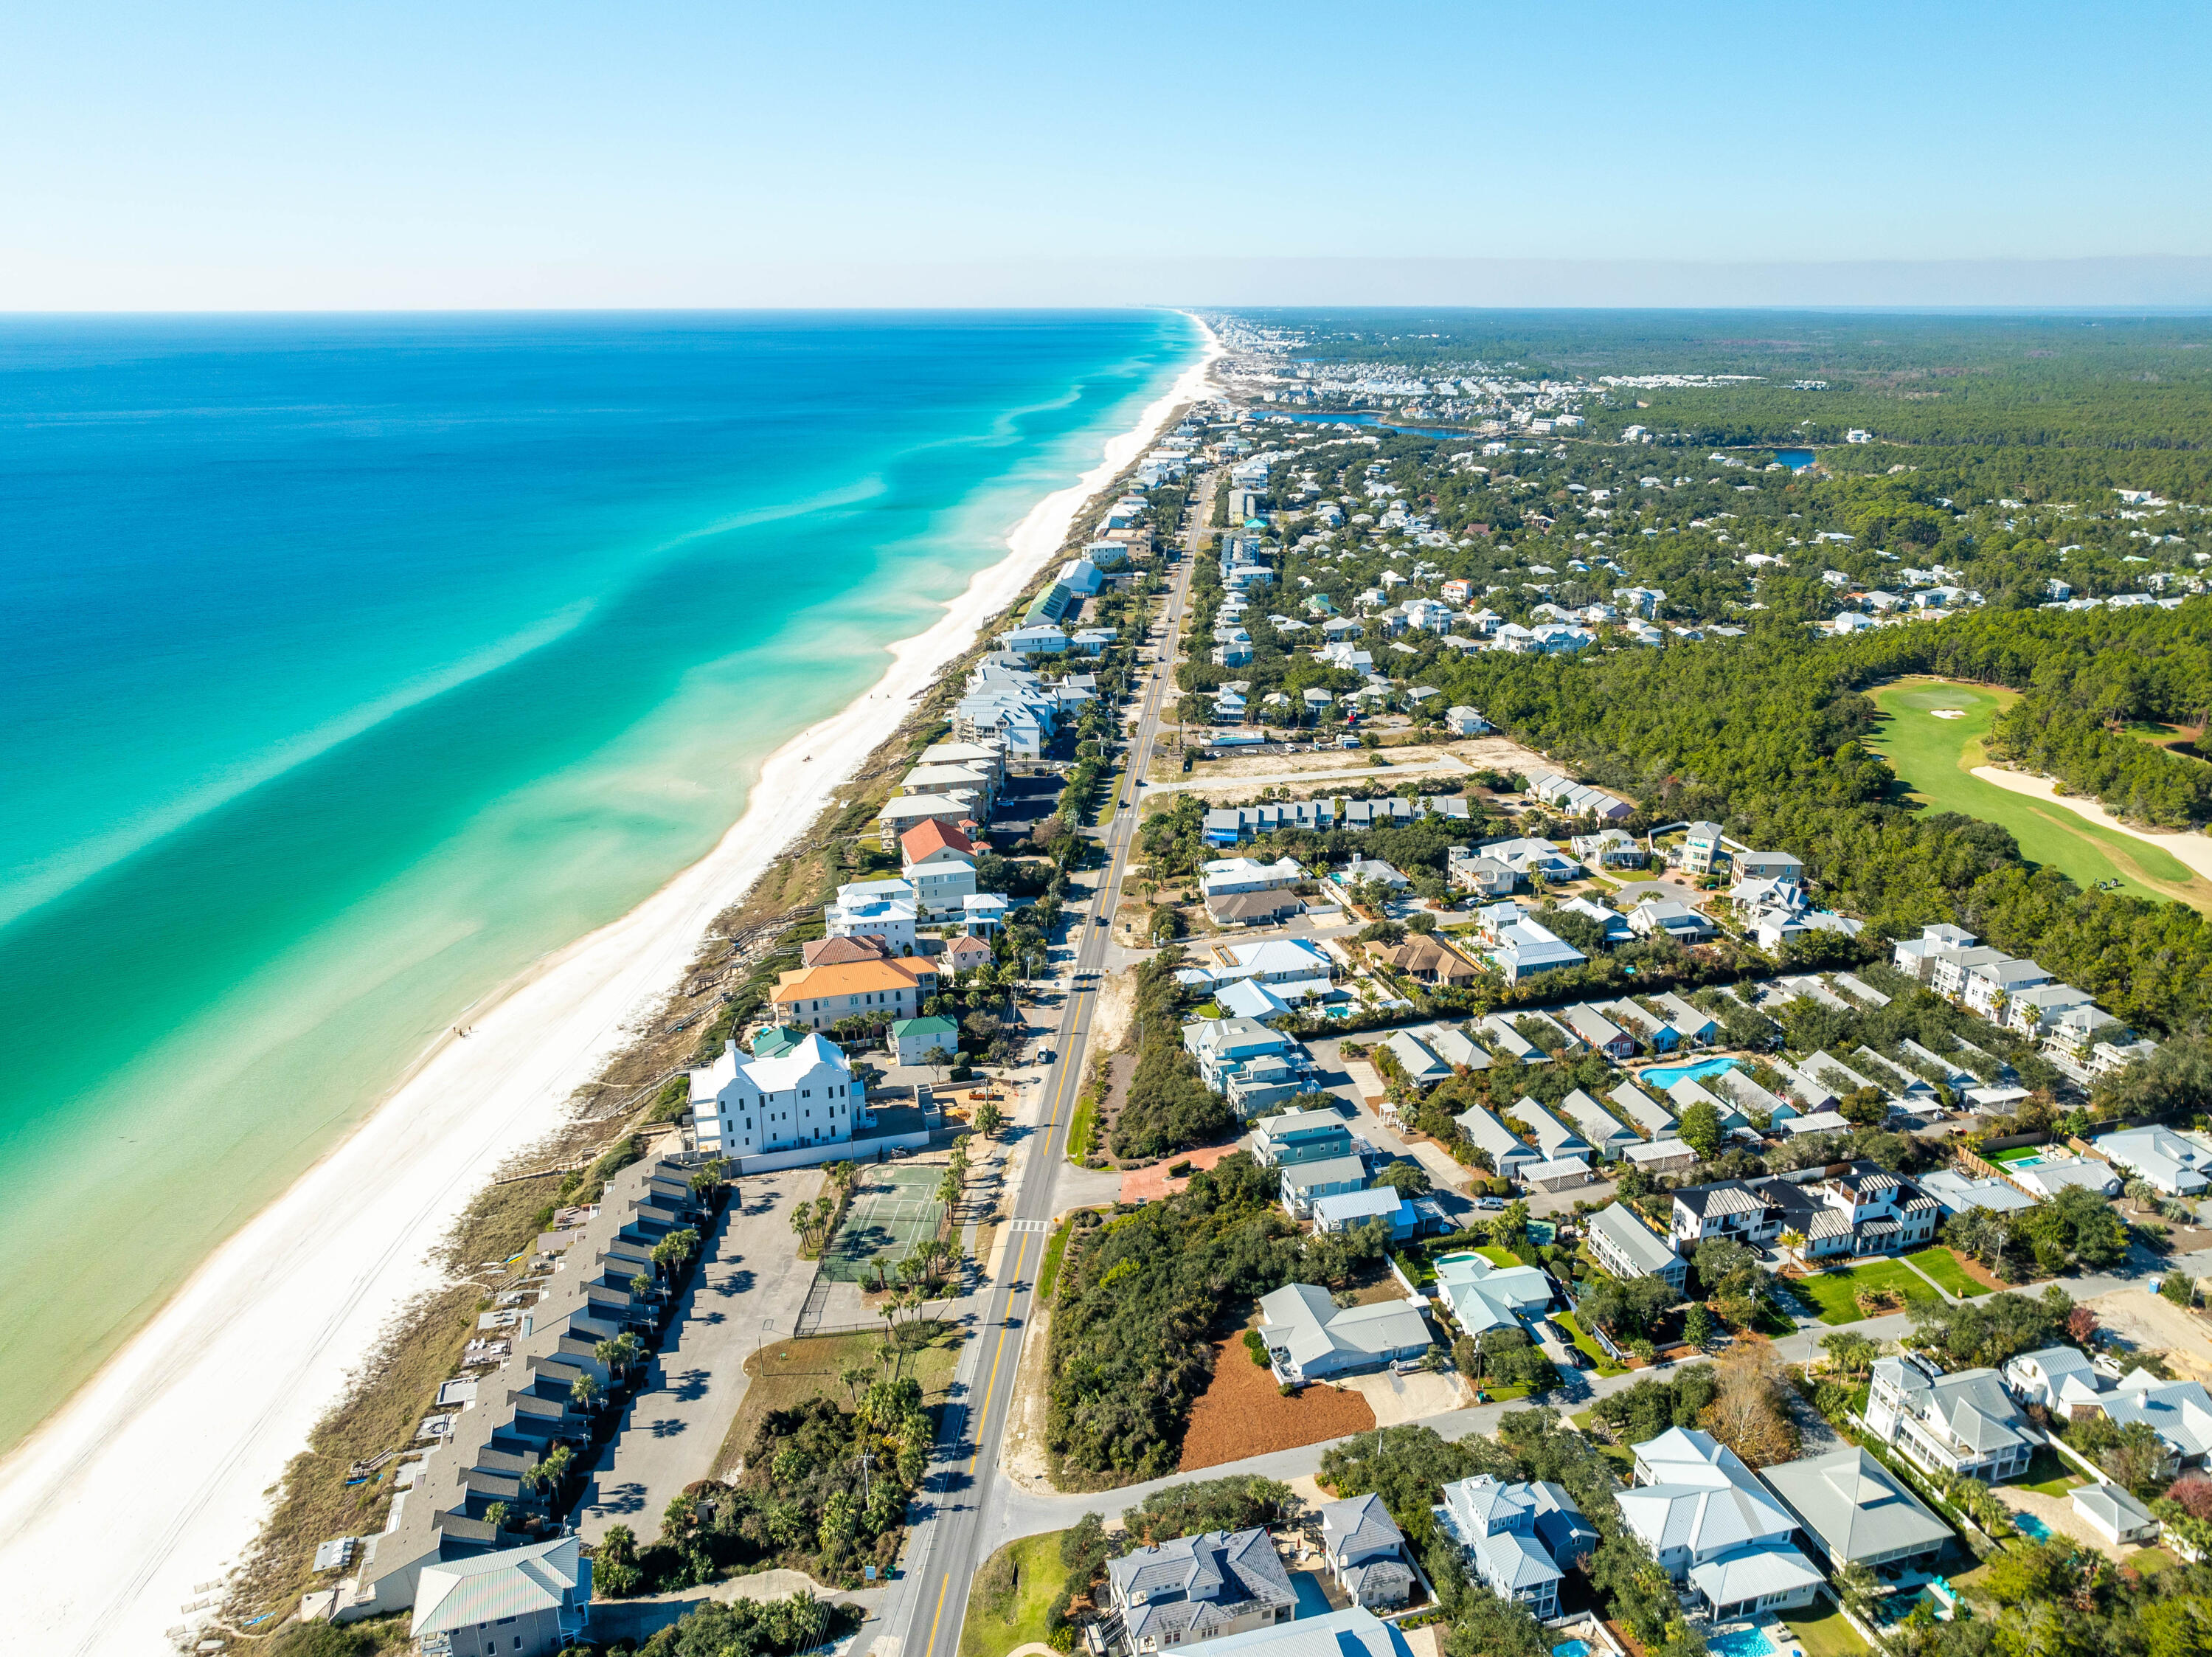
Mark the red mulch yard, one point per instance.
(1149, 1185)
(1242, 1414)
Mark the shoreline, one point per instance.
(246, 1356)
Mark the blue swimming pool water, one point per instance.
(1740, 1642)
(1312, 1602)
(1572, 1649)
(1664, 1076)
(2029, 1524)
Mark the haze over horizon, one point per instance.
(561, 158)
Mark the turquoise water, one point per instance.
(354, 663)
(1796, 458)
(2029, 1524)
(1572, 1648)
(1740, 1642)
(1665, 1076)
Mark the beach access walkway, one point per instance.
(750, 1285)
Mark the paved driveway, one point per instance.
(674, 1429)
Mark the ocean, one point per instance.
(352, 664)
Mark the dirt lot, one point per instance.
(1477, 753)
(1148, 1185)
(2157, 1325)
(1241, 1414)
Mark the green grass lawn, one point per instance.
(2049, 1476)
(1048, 1273)
(1832, 1293)
(1935, 759)
(1080, 1127)
(1943, 1266)
(1589, 1348)
(996, 1625)
(1497, 1256)
(1821, 1630)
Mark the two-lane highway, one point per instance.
(948, 1550)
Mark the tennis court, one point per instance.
(893, 1209)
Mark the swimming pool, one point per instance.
(1572, 1649)
(1664, 1076)
(2029, 1524)
(1741, 1642)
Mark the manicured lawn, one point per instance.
(1832, 1293)
(2049, 1476)
(1497, 1256)
(998, 1623)
(2151, 1560)
(1943, 1266)
(1589, 1348)
(1935, 759)
(1827, 1634)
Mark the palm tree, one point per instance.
(619, 1352)
(1791, 1239)
(2141, 1193)
(585, 1392)
(640, 1286)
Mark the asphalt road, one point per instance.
(951, 1542)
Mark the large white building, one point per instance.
(803, 1096)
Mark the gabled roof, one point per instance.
(513, 1582)
(1703, 1497)
(1753, 1573)
(1359, 1523)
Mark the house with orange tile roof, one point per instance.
(816, 997)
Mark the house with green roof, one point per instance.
(914, 1039)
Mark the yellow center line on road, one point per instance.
(942, 1586)
(1021, 1247)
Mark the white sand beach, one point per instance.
(151, 1481)
(2193, 848)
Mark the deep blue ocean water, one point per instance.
(351, 664)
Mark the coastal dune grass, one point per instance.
(387, 1404)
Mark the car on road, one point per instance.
(1489, 1202)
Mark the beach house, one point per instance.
(1708, 1520)
(523, 1602)
(937, 861)
(1963, 1424)
(1366, 1553)
(1194, 1588)
(1517, 1538)
(806, 1095)
(878, 991)
(1310, 1337)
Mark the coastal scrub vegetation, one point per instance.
(1138, 1295)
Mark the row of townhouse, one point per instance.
(1229, 825)
(1573, 798)
(521, 1411)
(2020, 996)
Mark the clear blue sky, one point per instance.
(218, 155)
